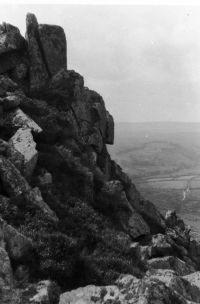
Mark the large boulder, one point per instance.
(22, 142)
(47, 51)
(38, 73)
(53, 43)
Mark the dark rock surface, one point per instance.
(69, 215)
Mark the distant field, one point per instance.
(163, 160)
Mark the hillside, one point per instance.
(73, 227)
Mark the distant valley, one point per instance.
(163, 159)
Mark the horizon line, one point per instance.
(159, 121)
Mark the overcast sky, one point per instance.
(143, 60)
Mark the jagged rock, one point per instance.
(109, 129)
(53, 43)
(171, 262)
(113, 196)
(88, 108)
(147, 209)
(14, 183)
(6, 275)
(18, 119)
(22, 142)
(38, 73)
(10, 38)
(136, 226)
(17, 245)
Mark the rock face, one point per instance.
(156, 287)
(68, 213)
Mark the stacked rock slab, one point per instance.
(47, 52)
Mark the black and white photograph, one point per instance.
(99, 152)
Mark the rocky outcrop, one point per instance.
(47, 51)
(114, 197)
(68, 212)
(156, 287)
(54, 45)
